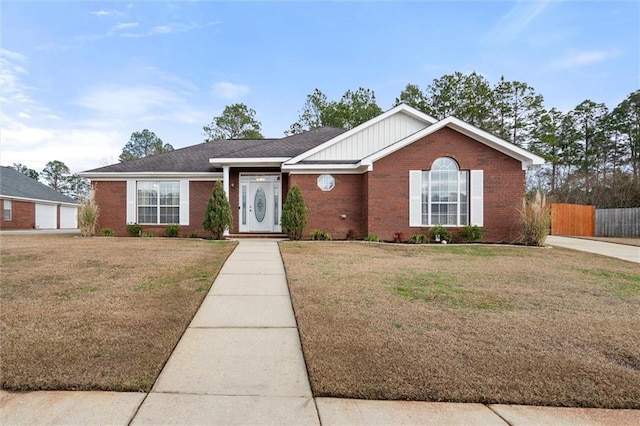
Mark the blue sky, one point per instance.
(79, 77)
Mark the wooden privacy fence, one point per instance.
(572, 219)
(618, 222)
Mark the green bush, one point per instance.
(535, 220)
(218, 216)
(419, 239)
(134, 230)
(319, 235)
(440, 233)
(172, 230)
(148, 234)
(294, 214)
(192, 234)
(472, 232)
(88, 213)
(108, 232)
(372, 238)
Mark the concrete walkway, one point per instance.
(620, 251)
(240, 362)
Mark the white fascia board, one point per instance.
(37, 200)
(402, 108)
(248, 162)
(117, 176)
(324, 168)
(525, 157)
(333, 171)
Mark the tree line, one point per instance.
(58, 176)
(592, 152)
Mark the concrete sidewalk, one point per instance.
(619, 251)
(240, 362)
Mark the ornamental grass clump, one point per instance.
(294, 214)
(535, 220)
(88, 217)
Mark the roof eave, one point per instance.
(148, 175)
(249, 162)
(39, 201)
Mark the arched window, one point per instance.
(445, 194)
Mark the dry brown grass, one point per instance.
(98, 313)
(490, 324)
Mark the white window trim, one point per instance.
(475, 200)
(132, 200)
(10, 210)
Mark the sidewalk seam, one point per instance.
(497, 414)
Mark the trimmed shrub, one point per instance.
(88, 213)
(218, 216)
(148, 234)
(318, 235)
(108, 232)
(535, 220)
(294, 214)
(472, 232)
(134, 230)
(192, 234)
(419, 239)
(372, 238)
(172, 230)
(440, 233)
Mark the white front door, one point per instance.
(260, 205)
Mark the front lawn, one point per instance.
(98, 313)
(471, 323)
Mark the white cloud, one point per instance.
(13, 88)
(125, 25)
(574, 59)
(103, 12)
(229, 91)
(516, 20)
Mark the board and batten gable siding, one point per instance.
(370, 139)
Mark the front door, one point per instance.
(260, 205)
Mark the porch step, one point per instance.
(257, 235)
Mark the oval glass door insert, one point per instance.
(260, 203)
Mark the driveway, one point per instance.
(620, 251)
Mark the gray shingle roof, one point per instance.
(195, 158)
(15, 184)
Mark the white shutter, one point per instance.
(415, 197)
(477, 203)
(132, 216)
(184, 202)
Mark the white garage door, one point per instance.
(68, 217)
(46, 216)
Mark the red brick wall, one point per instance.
(504, 185)
(199, 194)
(326, 207)
(23, 215)
(111, 198)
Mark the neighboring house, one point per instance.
(401, 172)
(29, 204)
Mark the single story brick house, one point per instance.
(29, 204)
(402, 171)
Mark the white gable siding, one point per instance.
(370, 139)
